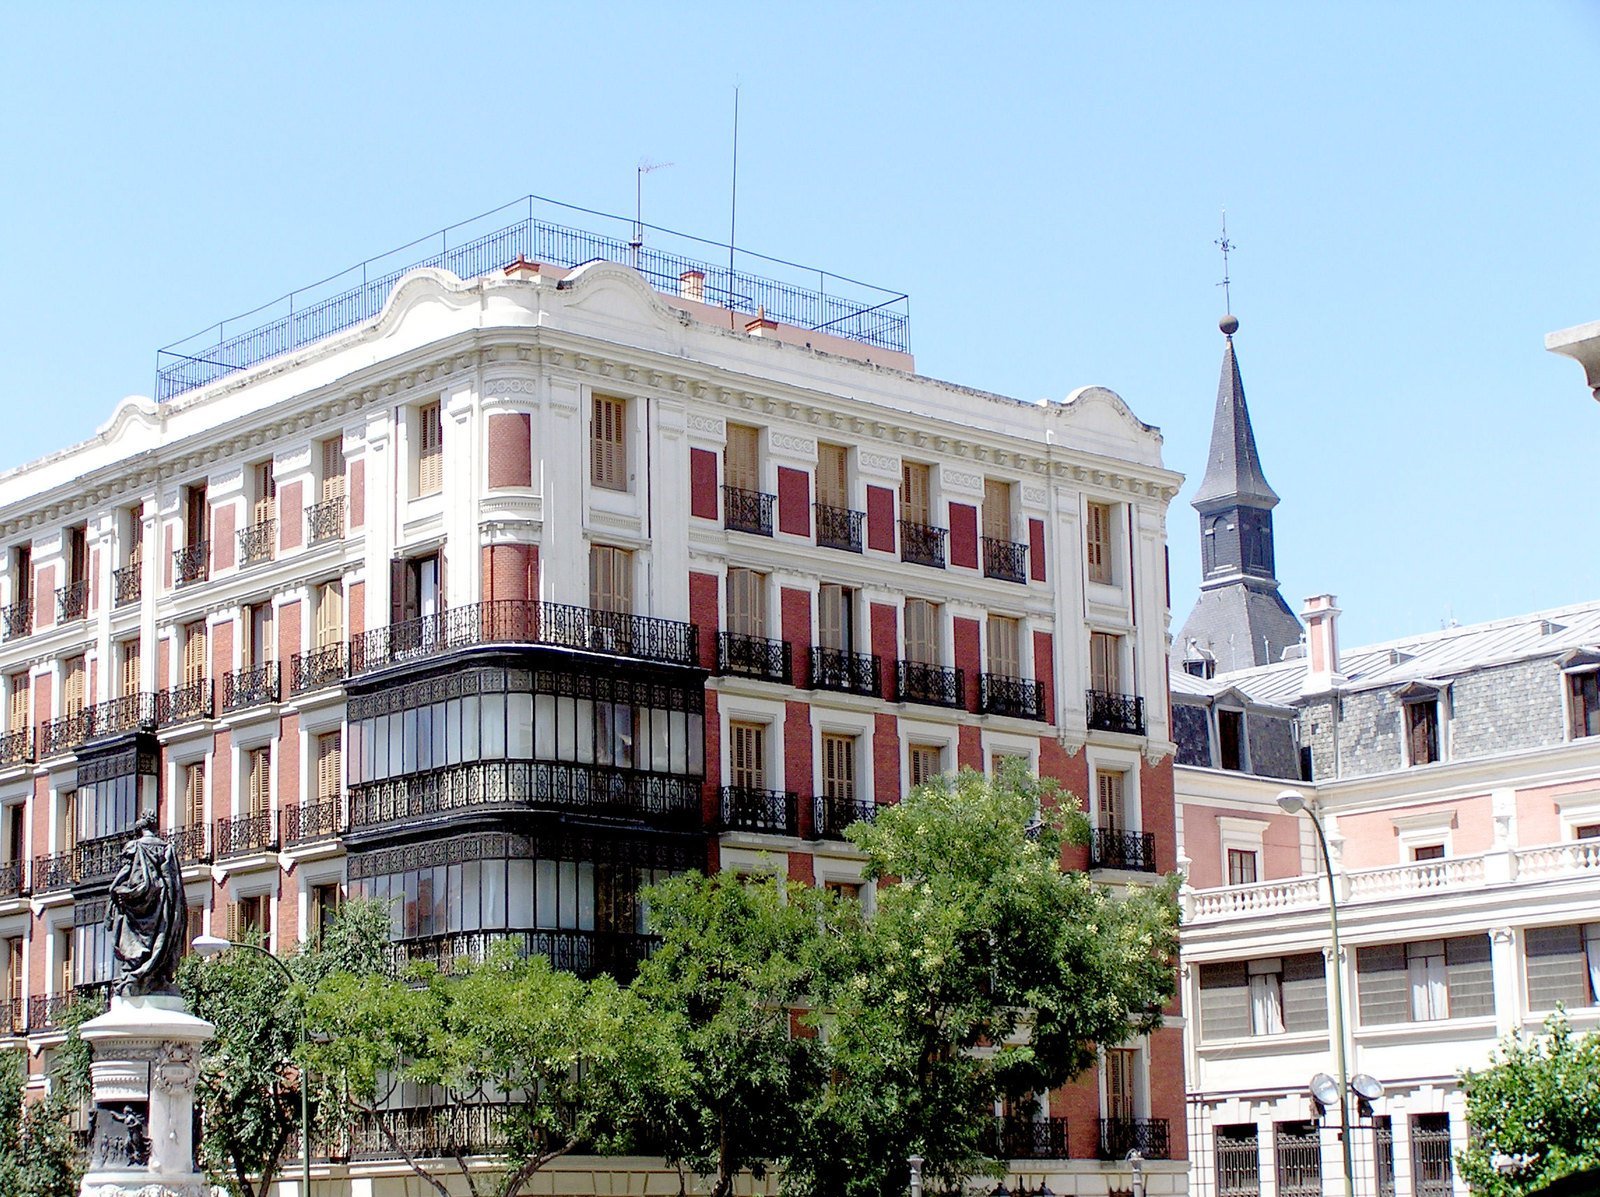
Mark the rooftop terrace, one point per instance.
(787, 292)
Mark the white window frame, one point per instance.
(1424, 830)
(1141, 1077)
(1241, 835)
(1575, 811)
(1112, 760)
(743, 709)
(913, 731)
(1235, 708)
(859, 724)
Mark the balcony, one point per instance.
(192, 563)
(846, 672)
(771, 812)
(1014, 696)
(1005, 560)
(310, 823)
(192, 843)
(1115, 712)
(586, 953)
(754, 656)
(97, 859)
(325, 520)
(319, 668)
(127, 584)
(257, 541)
(132, 712)
(18, 618)
(13, 879)
(519, 621)
(52, 873)
(184, 704)
(46, 1011)
(922, 544)
(830, 816)
(747, 510)
(16, 748)
(1147, 1136)
(72, 601)
(932, 685)
(839, 528)
(1030, 1138)
(658, 798)
(242, 834)
(1134, 851)
(252, 687)
(13, 1016)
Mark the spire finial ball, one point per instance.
(1229, 325)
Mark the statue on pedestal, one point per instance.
(147, 917)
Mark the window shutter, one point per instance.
(926, 763)
(746, 611)
(1108, 791)
(1224, 1001)
(608, 446)
(742, 460)
(830, 616)
(1104, 672)
(1119, 1083)
(1469, 976)
(14, 971)
(1003, 654)
(72, 689)
(922, 631)
(1382, 986)
(996, 509)
(1097, 542)
(329, 767)
(19, 701)
(1305, 994)
(260, 780)
(832, 477)
(266, 506)
(332, 469)
(839, 767)
(194, 653)
(330, 614)
(914, 492)
(194, 794)
(748, 755)
(1556, 967)
(430, 450)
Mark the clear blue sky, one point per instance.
(1412, 188)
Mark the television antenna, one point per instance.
(645, 167)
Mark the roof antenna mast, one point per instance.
(1226, 247)
(644, 168)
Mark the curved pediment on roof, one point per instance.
(134, 410)
(612, 289)
(1103, 407)
(418, 287)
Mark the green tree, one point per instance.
(1538, 1099)
(987, 971)
(557, 1062)
(737, 957)
(38, 1157)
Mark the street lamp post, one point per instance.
(214, 945)
(1291, 802)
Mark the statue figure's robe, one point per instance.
(147, 916)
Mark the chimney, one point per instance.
(522, 268)
(761, 326)
(692, 285)
(1322, 644)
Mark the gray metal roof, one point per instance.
(1233, 468)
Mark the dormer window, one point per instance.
(1421, 719)
(1230, 740)
(1582, 670)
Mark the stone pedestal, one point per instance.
(142, 1082)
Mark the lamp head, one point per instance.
(1324, 1089)
(1291, 802)
(211, 945)
(1366, 1087)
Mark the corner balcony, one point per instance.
(325, 520)
(754, 656)
(191, 564)
(839, 528)
(18, 619)
(1148, 1136)
(522, 621)
(1133, 851)
(768, 812)
(253, 687)
(1005, 560)
(132, 712)
(1115, 712)
(845, 672)
(1017, 697)
(184, 704)
(931, 685)
(747, 510)
(922, 544)
(72, 601)
(256, 543)
(830, 816)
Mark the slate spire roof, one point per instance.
(1233, 469)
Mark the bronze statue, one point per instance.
(147, 917)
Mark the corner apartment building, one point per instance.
(499, 590)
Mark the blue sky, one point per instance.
(1411, 189)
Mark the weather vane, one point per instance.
(1225, 246)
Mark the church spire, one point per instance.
(1233, 470)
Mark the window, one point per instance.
(1425, 981)
(77, 549)
(131, 533)
(1563, 965)
(1586, 831)
(833, 480)
(128, 652)
(248, 920)
(747, 755)
(194, 515)
(1241, 866)
(839, 767)
(194, 918)
(1105, 662)
(72, 686)
(258, 790)
(1005, 638)
(1422, 731)
(1119, 1074)
(330, 767)
(836, 617)
(915, 493)
(18, 686)
(67, 821)
(926, 761)
(741, 461)
(611, 579)
(1110, 803)
(194, 794)
(257, 646)
(1230, 739)
(1238, 1161)
(22, 575)
(1383, 1154)
(416, 588)
(1584, 698)
(16, 969)
(1428, 852)
(1297, 1150)
(996, 509)
(1274, 995)
(1431, 1174)
(1097, 539)
(845, 890)
(16, 837)
(922, 631)
(264, 492)
(332, 455)
(330, 613)
(194, 652)
(747, 607)
(324, 901)
(430, 450)
(608, 443)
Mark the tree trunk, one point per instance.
(531, 1167)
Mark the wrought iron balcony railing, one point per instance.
(933, 685)
(1013, 696)
(774, 812)
(325, 666)
(192, 563)
(18, 618)
(1131, 850)
(52, 873)
(305, 823)
(586, 953)
(325, 520)
(519, 621)
(747, 510)
(182, 704)
(97, 859)
(839, 528)
(240, 834)
(657, 798)
(13, 878)
(452, 1131)
(754, 656)
(16, 748)
(72, 601)
(132, 712)
(13, 1016)
(830, 816)
(1005, 560)
(63, 734)
(127, 584)
(922, 544)
(192, 842)
(846, 672)
(1115, 712)
(252, 687)
(257, 541)
(1148, 1136)
(45, 1011)
(1030, 1138)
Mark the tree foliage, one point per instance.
(1539, 1099)
(38, 1157)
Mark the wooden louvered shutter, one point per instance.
(430, 450)
(926, 762)
(260, 780)
(330, 613)
(922, 631)
(14, 973)
(611, 579)
(194, 794)
(194, 653)
(1108, 790)
(330, 770)
(1003, 654)
(914, 497)
(1104, 650)
(266, 504)
(608, 443)
(332, 469)
(832, 621)
(1097, 542)
(130, 667)
(19, 701)
(72, 687)
(833, 488)
(742, 459)
(839, 767)
(996, 509)
(748, 755)
(1119, 1083)
(746, 611)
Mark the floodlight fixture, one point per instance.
(1324, 1089)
